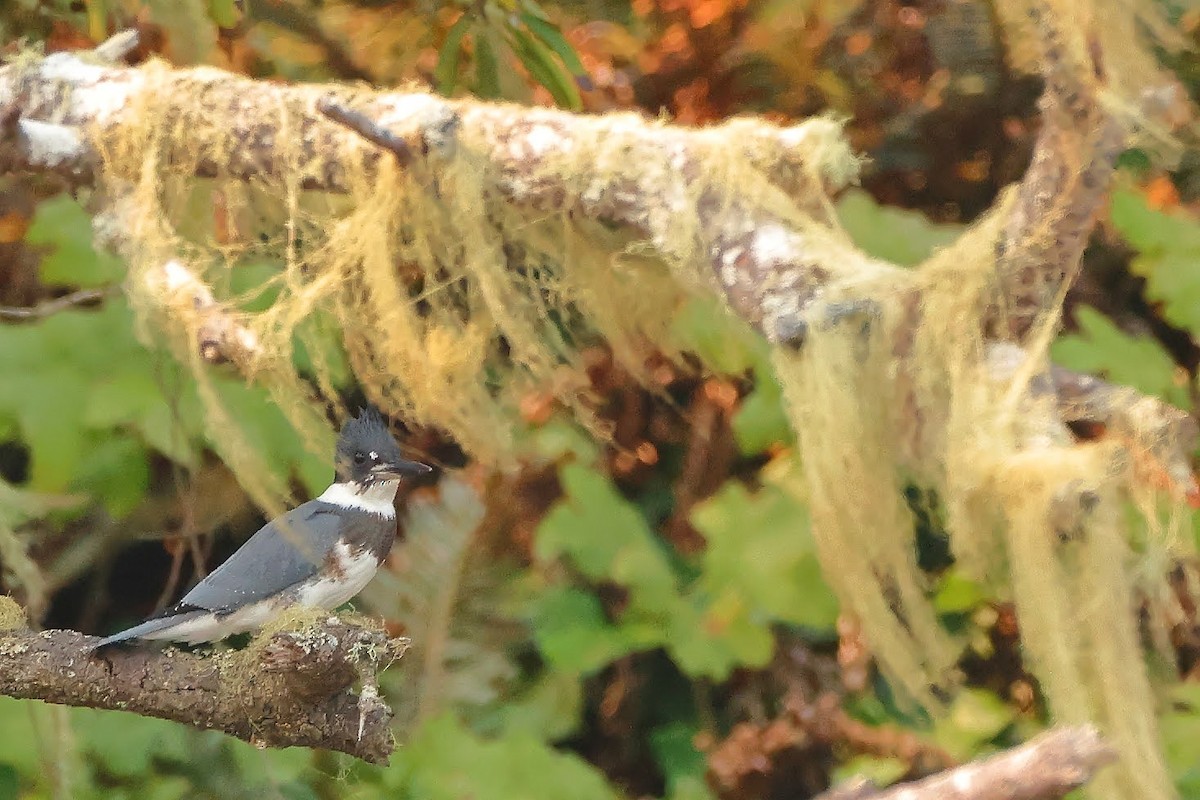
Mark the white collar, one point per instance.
(378, 498)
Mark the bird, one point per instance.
(317, 555)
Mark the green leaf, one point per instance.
(760, 563)
(761, 421)
(957, 594)
(270, 437)
(487, 70)
(1179, 728)
(170, 430)
(976, 717)
(1100, 347)
(50, 423)
(446, 72)
(600, 531)
(1173, 278)
(549, 33)
(559, 440)
(690, 787)
(225, 13)
(120, 398)
(10, 784)
(61, 224)
(572, 633)
(116, 471)
(318, 343)
(444, 761)
(675, 750)
(724, 343)
(127, 744)
(540, 62)
(1149, 230)
(900, 236)
(1169, 256)
(20, 738)
(550, 709)
(879, 770)
(255, 284)
(190, 32)
(759, 569)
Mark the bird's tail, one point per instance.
(158, 625)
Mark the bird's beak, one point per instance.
(401, 469)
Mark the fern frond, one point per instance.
(449, 596)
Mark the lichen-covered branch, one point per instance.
(293, 689)
(740, 233)
(1047, 767)
(656, 181)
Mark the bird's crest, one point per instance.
(368, 429)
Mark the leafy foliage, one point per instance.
(1100, 347)
(720, 339)
(759, 569)
(900, 236)
(1169, 259)
(445, 762)
(522, 29)
(1168, 253)
(93, 404)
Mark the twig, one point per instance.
(115, 48)
(367, 128)
(49, 307)
(1048, 766)
(294, 690)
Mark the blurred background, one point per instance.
(722, 668)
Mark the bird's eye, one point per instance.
(359, 458)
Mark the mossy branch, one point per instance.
(296, 692)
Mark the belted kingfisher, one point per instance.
(320, 554)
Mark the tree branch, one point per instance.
(293, 689)
(1048, 766)
(83, 297)
(770, 270)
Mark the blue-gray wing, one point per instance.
(284, 552)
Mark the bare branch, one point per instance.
(1048, 766)
(83, 297)
(294, 690)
